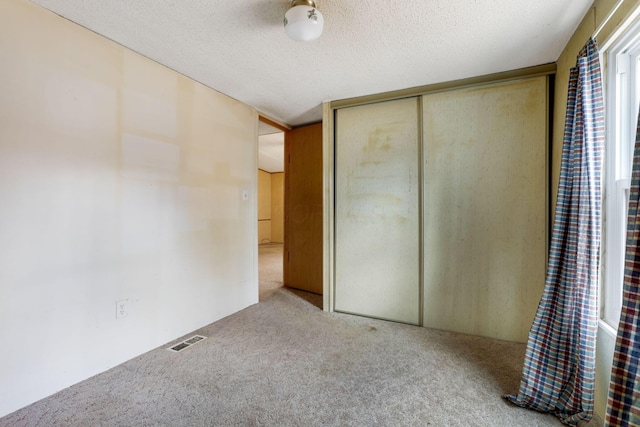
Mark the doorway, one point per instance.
(290, 210)
(270, 207)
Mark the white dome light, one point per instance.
(303, 22)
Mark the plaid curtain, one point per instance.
(559, 368)
(623, 405)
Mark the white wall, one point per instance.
(119, 179)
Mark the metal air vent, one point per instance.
(186, 343)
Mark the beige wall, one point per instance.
(592, 20)
(270, 207)
(277, 207)
(119, 180)
(264, 207)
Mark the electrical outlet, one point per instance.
(122, 308)
(245, 195)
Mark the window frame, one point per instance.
(622, 97)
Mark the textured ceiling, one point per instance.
(239, 48)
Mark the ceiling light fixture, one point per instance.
(303, 22)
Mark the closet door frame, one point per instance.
(329, 111)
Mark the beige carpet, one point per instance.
(284, 362)
(270, 274)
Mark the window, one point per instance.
(622, 97)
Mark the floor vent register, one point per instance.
(186, 343)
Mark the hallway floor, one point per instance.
(269, 269)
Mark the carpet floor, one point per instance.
(284, 362)
(269, 269)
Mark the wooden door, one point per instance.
(303, 208)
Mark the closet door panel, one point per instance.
(485, 215)
(377, 210)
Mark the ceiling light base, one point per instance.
(303, 22)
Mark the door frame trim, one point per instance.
(328, 203)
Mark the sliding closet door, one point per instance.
(485, 216)
(377, 210)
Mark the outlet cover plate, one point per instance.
(122, 308)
